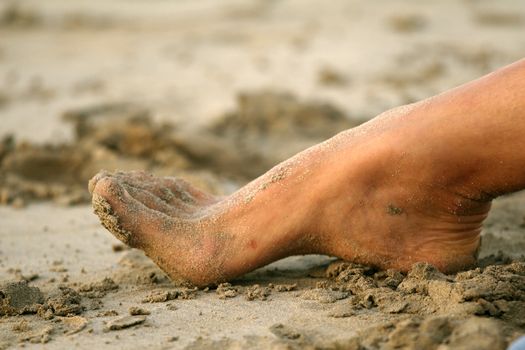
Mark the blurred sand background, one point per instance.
(218, 92)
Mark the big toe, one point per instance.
(109, 207)
(126, 218)
(95, 179)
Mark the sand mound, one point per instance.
(265, 129)
(19, 298)
(108, 136)
(268, 127)
(475, 309)
(269, 114)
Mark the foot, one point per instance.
(375, 194)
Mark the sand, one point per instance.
(299, 302)
(218, 94)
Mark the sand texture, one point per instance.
(217, 93)
(300, 302)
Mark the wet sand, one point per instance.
(199, 90)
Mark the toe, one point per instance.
(187, 192)
(155, 187)
(128, 219)
(171, 190)
(93, 182)
(154, 202)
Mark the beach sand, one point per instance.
(217, 94)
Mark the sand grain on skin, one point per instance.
(109, 219)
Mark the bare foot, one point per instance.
(374, 194)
